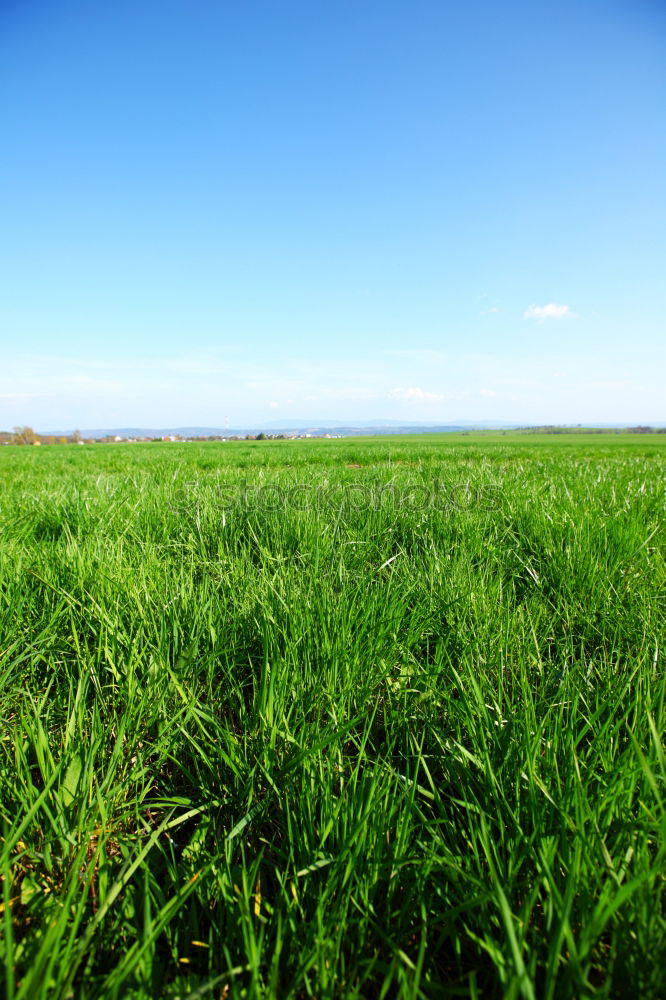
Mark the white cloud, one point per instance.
(550, 311)
(487, 392)
(273, 405)
(414, 393)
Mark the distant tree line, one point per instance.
(579, 429)
(27, 436)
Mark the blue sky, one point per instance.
(420, 211)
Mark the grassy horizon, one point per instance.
(375, 738)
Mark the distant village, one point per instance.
(28, 436)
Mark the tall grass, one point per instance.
(405, 741)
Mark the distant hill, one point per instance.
(319, 428)
(295, 427)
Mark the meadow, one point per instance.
(333, 718)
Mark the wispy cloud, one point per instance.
(415, 394)
(487, 392)
(549, 311)
(22, 395)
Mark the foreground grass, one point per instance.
(395, 732)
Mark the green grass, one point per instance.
(406, 741)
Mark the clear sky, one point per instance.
(416, 210)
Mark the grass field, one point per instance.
(348, 718)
